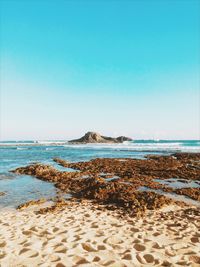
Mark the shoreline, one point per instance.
(108, 221)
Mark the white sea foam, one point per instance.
(50, 142)
(33, 143)
(137, 145)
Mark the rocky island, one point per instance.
(93, 137)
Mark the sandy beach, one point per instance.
(85, 235)
(99, 133)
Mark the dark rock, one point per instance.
(123, 193)
(122, 139)
(92, 137)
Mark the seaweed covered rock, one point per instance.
(118, 181)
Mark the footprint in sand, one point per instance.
(5, 224)
(34, 229)
(140, 259)
(23, 251)
(60, 249)
(166, 263)
(44, 233)
(127, 256)
(145, 259)
(101, 247)
(150, 228)
(2, 244)
(146, 240)
(96, 259)
(183, 263)
(195, 259)
(170, 252)
(64, 232)
(116, 225)
(54, 258)
(133, 229)
(137, 241)
(156, 245)
(149, 258)
(156, 234)
(107, 263)
(94, 226)
(60, 265)
(56, 229)
(88, 247)
(44, 244)
(139, 247)
(79, 260)
(77, 238)
(27, 244)
(2, 255)
(28, 253)
(194, 239)
(23, 242)
(26, 232)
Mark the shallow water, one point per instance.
(173, 196)
(179, 183)
(114, 178)
(24, 188)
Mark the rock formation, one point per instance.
(92, 137)
(91, 180)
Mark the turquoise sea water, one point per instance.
(21, 188)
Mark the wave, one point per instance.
(16, 144)
(32, 143)
(51, 142)
(130, 146)
(136, 145)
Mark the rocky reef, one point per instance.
(118, 181)
(93, 137)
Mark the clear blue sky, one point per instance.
(116, 67)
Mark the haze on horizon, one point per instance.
(115, 67)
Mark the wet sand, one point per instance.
(84, 235)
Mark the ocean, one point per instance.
(22, 188)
